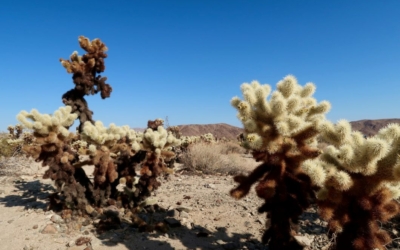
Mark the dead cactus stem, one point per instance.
(85, 69)
(360, 219)
(287, 192)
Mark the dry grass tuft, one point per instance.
(17, 165)
(217, 158)
(231, 147)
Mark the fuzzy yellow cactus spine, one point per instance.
(159, 140)
(43, 124)
(360, 181)
(281, 131)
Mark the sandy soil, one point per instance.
(198, 209)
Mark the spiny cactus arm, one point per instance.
(85, 69)
(159, 140)
(350, 151)
(87, 65)
(105, 170)
(245, 182)
(290, 112)
(43, 124)
(359, 181)
(98, 134)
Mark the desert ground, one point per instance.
(197, 208)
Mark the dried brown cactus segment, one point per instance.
(85, 70)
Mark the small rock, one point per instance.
(189, 225)
(183, 208)
(171, 213)
(10, 221)
(70, 244)
(49, 229)
(220, 242)
(28, 247)
(304, 240)
(82, 240)
(212, 186)
(35, 226)
(89, 209)
(57, 219)
(261, 221)
(111, 211)
(86, 222)
(183, 214)
(172, 222)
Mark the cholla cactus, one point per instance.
(158, 144)
(176, 131)
(52, 147)
(158, 140)
(15, 131)
(106, 146)
(50, 131)
(281, 132)
(85, 69)
(208, 138)
(359, 179)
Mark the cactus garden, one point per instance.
(289, 178)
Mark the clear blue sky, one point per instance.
(186, 59)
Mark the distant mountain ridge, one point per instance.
(371, 127)
(219, 130)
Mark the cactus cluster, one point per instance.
(117, 152)
(355, 180)
(176, 131)
(281, 132)
(209, 138)
(359, 180)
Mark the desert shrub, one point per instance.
(6, 149)
(231, 147)
(212, 159)
(17, 165)
(11, 143)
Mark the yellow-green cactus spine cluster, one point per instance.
(281, 131)
(360, 180)
(43, 124)
(98, 134)
(290, 111)
(159, 140)
(209, 138)
(49, 130)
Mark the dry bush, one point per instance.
(231, 147)
(6, 149)
(214, 158)
(18, 165)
